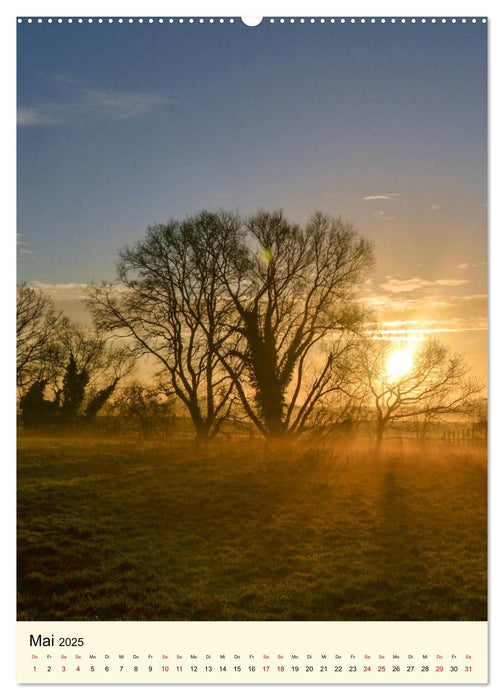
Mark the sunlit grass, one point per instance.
(116, 530)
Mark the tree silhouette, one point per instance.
(98, 401)
(172, 307)
(293, 291)
(72, 394)
(84, 372)
(149, 407)
(438, 384)
(37, 328)
(36, 411)
(256, 306)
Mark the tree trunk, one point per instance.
(202, 438)
(380, 429)
(272, 410)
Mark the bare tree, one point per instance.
(292, 290)
(437, 384)
(37, 329)
(148, 406)
(169, 301)
(259, 306)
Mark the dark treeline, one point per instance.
(251, 320)
(65, 373)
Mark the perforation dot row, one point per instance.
(382, 20)
(120, 20)
(231, 20)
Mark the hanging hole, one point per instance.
(251, 21)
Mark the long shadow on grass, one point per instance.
(395, 556)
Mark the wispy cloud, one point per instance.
(450, 282)
(23, 245)
(80, 101)
(408, 317)
(473, 297)
(414, 307)
(394, 304)
(422, 330)
(382, 303)
(114, 104)
(435, 207)
(30, 116)
(382, 214)
(466, 265)
(394, 285)
(391, 195)
(68, 291)
(452, 325)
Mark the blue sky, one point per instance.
(124, 125)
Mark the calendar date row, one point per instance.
(309, 668)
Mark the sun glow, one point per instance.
(400, 362)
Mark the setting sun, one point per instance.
(400, 362)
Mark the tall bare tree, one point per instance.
(169, 300)
(258, 306)
(293, 292)
(437, 384)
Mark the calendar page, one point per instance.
(251, 349)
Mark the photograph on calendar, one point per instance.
(251, 320)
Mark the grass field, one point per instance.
(121, 530)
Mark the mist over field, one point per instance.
(116, 529)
